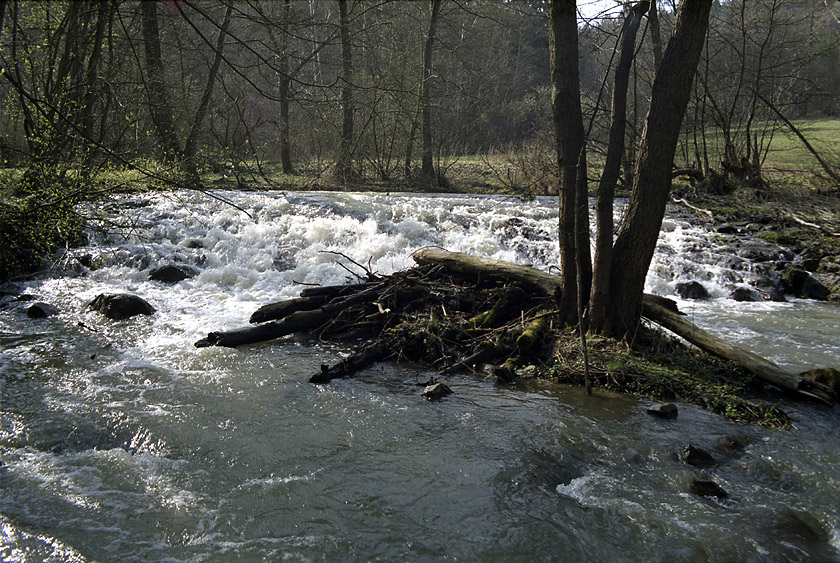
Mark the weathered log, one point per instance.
(461, 263)
(296, 322)
(335, 290)
(762, 368)
(282, 309)
(653, 310)
(347, 367)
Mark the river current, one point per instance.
(121, 441)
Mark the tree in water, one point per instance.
(620, 302)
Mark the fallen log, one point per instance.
(282, 309)
(653, 309)
(762, 368)
(293, 320)
(366, 356)
(296, 322)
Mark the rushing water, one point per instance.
(120, 441)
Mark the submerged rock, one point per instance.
(732, 445)
(663, 410)
(41, 310)
(119, 306)
(707, 488)
(696, 457)
(692, 290)
(436, 391)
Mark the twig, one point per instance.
(814, 226)
(695, 208)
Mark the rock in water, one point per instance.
(696, 457)
(706, 488)
(436, 391)
(663, 410)
(170, 274)
(746, 294)
(41, 310)
(692, 290)
(119, 306)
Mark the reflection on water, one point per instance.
(122, 442)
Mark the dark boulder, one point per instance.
(119, 306)
(814, 288)
(777, 296)
(692, 290)
(436, 391)
(730, 229)
(757, 251)
(696, 457)
(663, 410)
(170, 274)
(744, 293)
(707, 488)
(40, 310)
(800, 283)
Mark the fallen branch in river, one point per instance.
(653, 310)
(455, 312)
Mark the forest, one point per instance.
(401, 92)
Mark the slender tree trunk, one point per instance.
(655, 34)
(637, 238)
(192, 139)
(569, 136)
(599, 300)
(343, 167)
(92, 82)
(427, 165)
(155, 84)
(409, 146)
(2, 15)
(285, 92)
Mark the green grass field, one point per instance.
(786, 150)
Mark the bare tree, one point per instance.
(571, 159)
(634, 247)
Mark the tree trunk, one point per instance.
(192, 139)
(599, 300)
(637, 238)
(284, 93)
(93, 83)
(569, 136)
(156, 85)
(427, 165)
(655, 35)
(343, 167)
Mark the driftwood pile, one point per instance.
(455, 311)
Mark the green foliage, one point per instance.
(37, 216)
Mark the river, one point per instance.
(121, 441)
